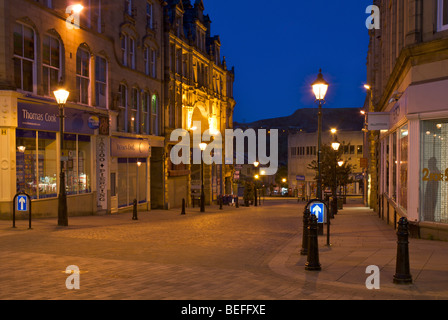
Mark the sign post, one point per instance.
(322, 213)
(21, 203)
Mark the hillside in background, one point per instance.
(305, 120)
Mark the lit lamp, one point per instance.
(61, 98)
(320, 88)
(202, 146)
(335, 145)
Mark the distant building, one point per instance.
(303, 150)
(407, 71)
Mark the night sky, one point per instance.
(277, 48)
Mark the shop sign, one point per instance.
(38, 117)
(78, 121)
(130, 148)
(379, 121)
(300, 178)
(102, 171)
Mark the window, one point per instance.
(36, 163)
(51, 61)
(153, 63)
(122, 108)
(101, 82)
(393, 189)
(360, 150)
(146, 58)
(128, 7)
(77, 151)
(144, 113)
(132, 114)
(83, 75)
(132, 181)
(155, 116)
(24, 58)
(149, 16)
(124, 50)
(132, 53)
(434, 171)
(352, 149)
(403, 167)
(128, 51)
(442, 15)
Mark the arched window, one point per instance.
(51, 64)
(83, 76)
(24, 58)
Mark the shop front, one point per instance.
(38, 157)
(129, 173)
(414, 162)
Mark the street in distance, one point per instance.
(229, 310)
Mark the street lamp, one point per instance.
(320, 88)
(61, 98)
(335, 145)
(202, 146)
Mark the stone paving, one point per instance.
(231, 254)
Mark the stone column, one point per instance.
(8, 125)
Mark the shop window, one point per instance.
(434, 171)
(403, 165)
(51, 69)
(442, 15)
(77, 163)
(36, 163)
(24, 57)
(132, 181)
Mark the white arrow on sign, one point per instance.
(22, 202)
(317, 210)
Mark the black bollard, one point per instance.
(220, 202)
(403, 274)
(183, 207)
(306, 221)
(256, 198)
(237, 205)
(312, 263)
(134, 216)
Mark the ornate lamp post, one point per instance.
(320, 87)
(61, 98)
(202, 146)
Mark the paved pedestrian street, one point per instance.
(230, 254)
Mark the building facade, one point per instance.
(198, 96)
(408, 118)
(302, 152)
(111, 58)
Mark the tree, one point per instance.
(330, 158)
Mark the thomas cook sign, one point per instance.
(130, 148)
